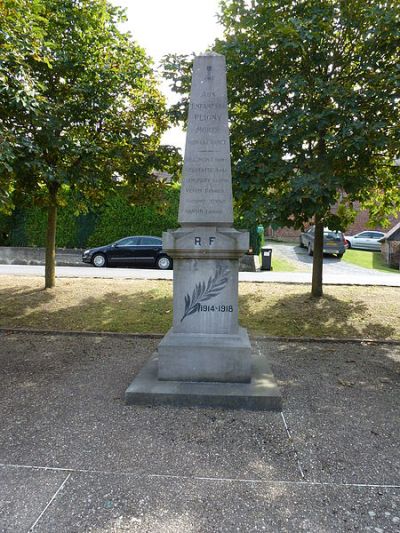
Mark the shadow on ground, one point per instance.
(142, 311)
(150, 311)
(16, 301)
(302, 315)
(302, 255)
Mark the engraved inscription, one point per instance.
(199, 169)
(205, 169)
(201, 211)
(211, 142)
(204, 117)
(203, 292)
(206, 129)
(206, 193)
(206, 106)
(197, 241)
(199, 180)
(221, 308)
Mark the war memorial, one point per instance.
(206, 358)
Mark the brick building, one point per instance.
(360, 224)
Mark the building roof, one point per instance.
(393, 234)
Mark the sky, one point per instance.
(172, 26)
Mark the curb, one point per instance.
(326, 340)
(386, 284)
(11, 330)
(322, 340)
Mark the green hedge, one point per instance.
(117, 218)
(28, 227)
(13, 229)
(113, 220)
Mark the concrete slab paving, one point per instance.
(347, 447)
(124, 503)
(342, 405)
(24, 494)
(133, 468)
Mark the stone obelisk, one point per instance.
(206, 357)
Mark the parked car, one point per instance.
(334, 242)
(366, 240)
(130, 251)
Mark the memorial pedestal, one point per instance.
(205, 342)
(205, 357)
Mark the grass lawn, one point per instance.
(137, 306)
(366, 259)
(279, 264)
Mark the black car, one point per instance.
(130, 251)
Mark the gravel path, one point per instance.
(75, 458)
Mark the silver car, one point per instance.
(366, 240)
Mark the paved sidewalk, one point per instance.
(363, 277)
(74, 458)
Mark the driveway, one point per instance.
(332, 265)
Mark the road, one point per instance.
(331, 276)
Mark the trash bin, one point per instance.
(260, 229)
(266, 257)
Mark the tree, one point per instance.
(21, 35)
(80, 107)
(313, 95)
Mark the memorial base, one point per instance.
(205, 357)
(261, 394)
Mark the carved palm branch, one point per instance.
(203, 293)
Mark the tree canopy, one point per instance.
(314, 103)
(313, 91)
(21, 35)
(79, 103)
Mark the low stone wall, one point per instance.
(12, 255)
(248, 263)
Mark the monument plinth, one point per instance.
(206, 357)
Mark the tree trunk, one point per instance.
(316, 287)
(50, 268)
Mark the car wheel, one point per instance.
(164, 262)
(348, 244)
(99, 260)
(340, 255)
(309, 249)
